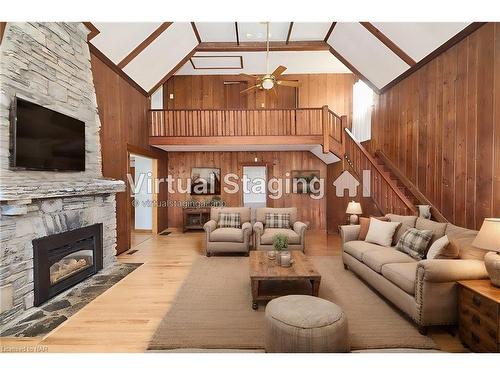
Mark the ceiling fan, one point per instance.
(269, 81)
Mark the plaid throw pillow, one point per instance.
(229, 220)
(277, 220)
(414, 242)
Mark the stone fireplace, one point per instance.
(46, 243)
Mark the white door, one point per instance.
(255, 191)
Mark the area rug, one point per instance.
(39, 321)
(212, 310)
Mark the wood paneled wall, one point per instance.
(441, 127)
(123, 114)
(278, 163)
(209, 92)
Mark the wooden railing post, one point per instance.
(326, 131)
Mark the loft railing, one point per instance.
(250, 122)
(384, 191)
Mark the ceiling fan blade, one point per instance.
(250, 89)
(274, 93)
(288, 83)
(249, 76)
(278, 71)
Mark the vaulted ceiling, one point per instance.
(379, 53)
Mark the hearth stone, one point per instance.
(45, 318)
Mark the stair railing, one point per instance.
(388, 196)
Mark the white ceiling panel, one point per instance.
(418, 39)
(217, 31)
(309, 30)
(117, 39)
(255, 63)
(366, 53)
(256, 31)
(152, 64)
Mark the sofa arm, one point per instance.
(247, 230)
(210, 226)
(349, 233)
(300, 228)
(258, 227)
(448, 270)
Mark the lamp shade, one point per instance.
(488, 237)
(354, 208)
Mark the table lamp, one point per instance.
(488, 238)
(354, 209)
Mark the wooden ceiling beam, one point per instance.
(94, 31)
(141, 47)
(330, 30)
(389, 43)
(173, 71)
(354, 70)
(261, 46)
(289, 33)
(196, 33)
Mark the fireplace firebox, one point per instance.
(65, 259)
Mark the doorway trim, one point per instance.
(255, 164)
(134, 150)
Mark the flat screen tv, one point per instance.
(43, 139)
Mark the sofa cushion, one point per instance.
(414, 242)
(441, 250)
(358, 248)
(260, 213)
(461, 243)
(229, 220)
(364, 225)
(275, 220)
(406, 223)
(380, 232)
(401, 274)
(227, 235)
(267, 237)
(243, 211)
(438, 229)
(376, 259)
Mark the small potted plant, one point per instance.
(280, 243)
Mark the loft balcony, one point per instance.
(315, 129)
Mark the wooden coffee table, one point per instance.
(263, 269)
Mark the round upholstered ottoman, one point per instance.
(305, 324)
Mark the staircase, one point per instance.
(385, 189)
(406, 186)
(390, 189)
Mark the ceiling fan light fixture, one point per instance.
(267, 83)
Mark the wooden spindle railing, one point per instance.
(383, 190)
(238, 122)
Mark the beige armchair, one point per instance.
(264, 236)
(228, 240)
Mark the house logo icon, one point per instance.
(346, 181)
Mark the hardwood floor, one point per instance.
(124, 318)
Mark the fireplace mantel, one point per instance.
(55, 189)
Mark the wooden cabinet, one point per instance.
(478, 311)
(195, 218)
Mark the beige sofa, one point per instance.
(425, 290)
(228, 240)
(264, 236)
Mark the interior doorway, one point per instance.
(254, 194)
(143, 212)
